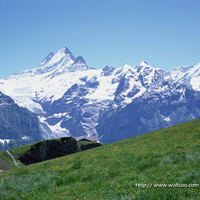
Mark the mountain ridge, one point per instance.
(72, 99)
(188, 75)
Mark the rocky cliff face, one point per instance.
(17, 124)
(146, 114)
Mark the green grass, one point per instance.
(80, 143)
(6, 162)
(5, 165)
(20, 151)
(112, 171)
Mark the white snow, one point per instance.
(167, 119)
(58, 132)
(3, 140)
(25, 137)
(25, 87)
(188, 75)
(57, 57)
(28, 86)
(60, 115)
(144, 64)
(105, 91)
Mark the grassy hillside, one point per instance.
(114, 171)
(6, 162)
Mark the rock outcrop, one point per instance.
(49, 149)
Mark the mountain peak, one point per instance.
(65, 50)
(78, 65)
(143, 63)
(79, 60)
(52, 58)
(107, 70)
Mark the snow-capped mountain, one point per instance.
(188, 75)
(47, 81)
(112, 103)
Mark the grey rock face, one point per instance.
(149, 113)
(17, 122)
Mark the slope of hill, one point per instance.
(163, 164)
(43, 150)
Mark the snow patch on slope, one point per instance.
(189, 75)
(59, 132)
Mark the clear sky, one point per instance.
(164, 33)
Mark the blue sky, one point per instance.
(164, 33)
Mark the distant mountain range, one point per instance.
(188, 75)
(70, 98)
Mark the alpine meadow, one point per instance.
(163, 164)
